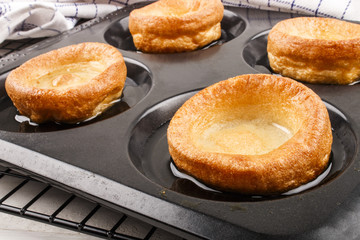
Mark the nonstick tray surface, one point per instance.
(121, 160)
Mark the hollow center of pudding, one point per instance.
(240, 136)
(69, 75)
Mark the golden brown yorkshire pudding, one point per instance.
(70, 84)
(316, 50)
(252, 134)
(169, 26)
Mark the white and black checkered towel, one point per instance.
(42, 18)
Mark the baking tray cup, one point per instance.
(121, 160)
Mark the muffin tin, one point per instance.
(121, 160)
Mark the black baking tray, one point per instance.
(121, 160)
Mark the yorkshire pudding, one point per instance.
(169, 26)
(315, 50)
(70, 84)
(252, 134)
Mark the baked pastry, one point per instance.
(315, 50)
(252, 134)
(70, 84)
(168, 26)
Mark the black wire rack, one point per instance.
(9, 46)
(54, 218)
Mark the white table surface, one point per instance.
(17, 228)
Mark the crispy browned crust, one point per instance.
(316, 50)
(297, 161)
(71, 104)
(168, 26)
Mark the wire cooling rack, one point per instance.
(26, 197)
(9, 46)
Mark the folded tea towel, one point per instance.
(42, 18)
(341, 9)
